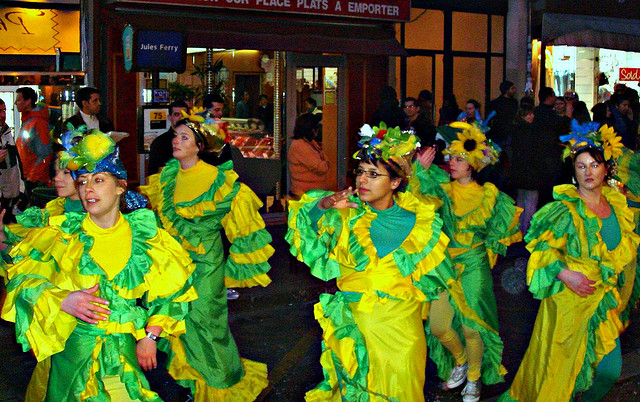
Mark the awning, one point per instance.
(287, 34)
(591, 31)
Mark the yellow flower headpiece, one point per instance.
(213, 134)
(592, 135)
(392, 145)
(472, 145)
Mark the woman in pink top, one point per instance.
(308, 166)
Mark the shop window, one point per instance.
(419, 74)
(426, 30)
(497, 34)
(468, 80)
(497, 64)
(469, 32)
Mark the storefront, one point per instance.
(36, 52)
(337, 53)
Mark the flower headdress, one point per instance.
(472, 145)
(392, 145)
(592, 135)
(212, 133)
(94, 153)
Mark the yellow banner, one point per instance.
(39, 32)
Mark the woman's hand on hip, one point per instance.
(577, 282)
(84, 305)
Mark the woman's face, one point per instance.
(590, 173)
(470, 110)
(184, 143)
(100, 193)
(374, 185)
(65, 185)
(529, 117)
(560, 105)
(459, 167)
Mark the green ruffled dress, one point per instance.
(206, 357)
(374, 345)
(74, 357)
(477, 237)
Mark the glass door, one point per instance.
(316, 84)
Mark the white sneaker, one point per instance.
(471, 391)
(232, 294)
(457, 377)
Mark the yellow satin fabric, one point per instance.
(193, 182)
(465, 197)
(107, 241)
(382, 276)
(396, 344)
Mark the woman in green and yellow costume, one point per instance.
(91, 292)
(388, 253)
(194, 201)
(579, 247)
(481, 223)
(68, 200)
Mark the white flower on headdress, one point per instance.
(366, 131)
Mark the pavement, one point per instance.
(275, 325)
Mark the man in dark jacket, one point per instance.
(506, 108)
(88, 101)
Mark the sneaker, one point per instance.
(471, 391)
(232, 294)
(457, 377)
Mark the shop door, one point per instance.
(321, 78)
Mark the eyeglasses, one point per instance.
(409, 106)
(369, 173)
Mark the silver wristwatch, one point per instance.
(152, 336)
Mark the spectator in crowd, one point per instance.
(581, 113)
(33, 142)
(161, 149)
(312, 106)
(601, 113)
(449, 111)
(526, 167)
(548, 126)
(506, 108)
(471, 112)
(215, 104)
(425, 101)
(243, 107)
(389, 111)
(620, 121)
(422, 127)
(88, 101)
(571, 98)
(560, 106)
(307, 164)
(10, 179)
(264, 112)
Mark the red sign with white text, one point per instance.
(629, 74)
(390, 10)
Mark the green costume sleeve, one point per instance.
(550, 239)
(503, 226)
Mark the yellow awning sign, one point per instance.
(39, 31)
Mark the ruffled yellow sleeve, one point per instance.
(35, 294)
(250, 249)
(169, 284)
(550, 239)
(502, 227)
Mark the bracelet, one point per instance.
(152, 336)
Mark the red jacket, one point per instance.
(34, 145)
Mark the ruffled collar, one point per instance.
(143, 227)
(612, 261)
(418, 243)
(475, 218)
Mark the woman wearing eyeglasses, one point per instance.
(387, 252)
(481, 222)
